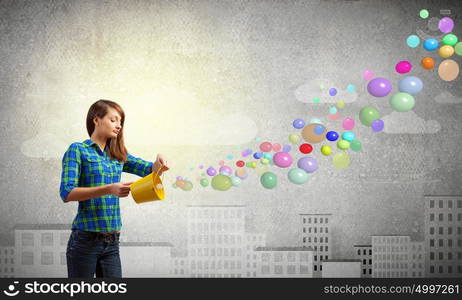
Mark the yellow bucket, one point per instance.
(147, 189)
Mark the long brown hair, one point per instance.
(116, 145)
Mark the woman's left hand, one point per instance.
(161, 162)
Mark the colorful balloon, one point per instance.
(240, 163)
(355, 145)
(348, 124)
(343, 144)
(211, 171)
(431, 44)
(402, 102)
(235, 180)
(221, 182)
(341, 104)
(277, 147)
(379, 87)
(424, 14)
(187, 186)
(332, 91)
(368, 114)
(368, 75)
(225, 170)
(297, 176)
(377, 125)
(298, 123)
(450, 39)
(266, 146)
(413, 41)
(282, 159)
(458, 48)
(326, 150)
(446, 51)
(332, 136)
(427, 63)
(305, 148)
(334, 117)
(204, 182)
(314, 133)
(351, 88)
(448, 70)
(308, 164)
(411, 85)
(294, 139)
(286, 148)
(446, 25)
(403, 67)
(341, 160)
(258, 155)
(264, 161)
(348, 136)
(241, 173)
(333, 110)
(268, 180)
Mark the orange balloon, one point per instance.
(427, 63)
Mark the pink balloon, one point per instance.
(334, 117)
(277, 147)
(403, 67)
(348, 124)
(282, 159)
(225, 169)
(368, 75)
(266, 146)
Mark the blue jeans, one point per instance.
(89, 253)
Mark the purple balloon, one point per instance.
(211, 171)
(377, 125)
(446, 25)
(332, 91)
(225, 170)
(286, 148)
(379, 87)
(309, 164)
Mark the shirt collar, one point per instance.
(90, 143)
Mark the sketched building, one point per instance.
(417, 259)
(179, 266)
(216, 245)
(341, 268)
(40, 250)
(364, 254)
(145, 259)
(443, 236)
(253, 241)
(315, 233)
(390, 256)
(284, 261)
(7, 258)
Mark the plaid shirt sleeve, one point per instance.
(71, 170)
(137, 166)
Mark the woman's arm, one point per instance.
(84, 193)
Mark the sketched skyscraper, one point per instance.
(443, 236)
(216, 240)
(364, 253)
(315, 233)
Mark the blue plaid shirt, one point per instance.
(85, 165)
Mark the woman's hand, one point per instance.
(120, 189)
(160, 164)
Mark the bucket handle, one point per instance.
(157, 174)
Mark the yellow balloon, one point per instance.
(253, 165)
(294, 139)
(341, 160)
(448, 70)
(446, 51)
(264, 161)
(341, 104)
(326, 150)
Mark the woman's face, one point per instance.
(110, 125)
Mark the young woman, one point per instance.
(91, 175)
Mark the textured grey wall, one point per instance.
(239, 63)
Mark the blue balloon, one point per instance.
(258, 155)
(319, 129)
(298, 123)
(413, 41)
(411, 85)
(348, 136)
(431, 44)
(332, 136)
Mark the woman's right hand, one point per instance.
(120, 189)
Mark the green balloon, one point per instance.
(187, 186)
(355, 145)
(402, 102)
(297, 176)
(221, 182)
(368, 114)
(450, 39)
(204, 182)
(343, 144)
(458, 48)
(269, 180)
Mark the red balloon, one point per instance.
(240, 163)
(306, 148)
